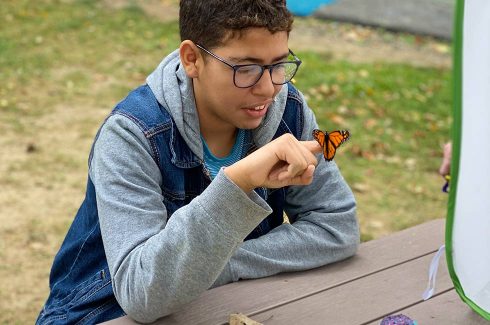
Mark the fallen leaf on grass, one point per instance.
(356, 150)
(441, 48)
(410, 163)
(338, 120)
(363, 73)
(370, 123)
(376, 224)
(360, 187)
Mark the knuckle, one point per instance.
(304, 164)
(289, 137)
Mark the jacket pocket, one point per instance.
(77, 304)
(90, 287)
(81, 291)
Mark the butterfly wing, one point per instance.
(335, 139)
(320, 138)
(338, 137)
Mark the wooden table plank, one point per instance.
(446, 309)
(363, 300)
(253, 296)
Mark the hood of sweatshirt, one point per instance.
(173, 90)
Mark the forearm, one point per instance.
(324, 230)
(183, 260)
(158, 264)
(177, 264)
(301, 246)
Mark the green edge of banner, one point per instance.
(456, 150)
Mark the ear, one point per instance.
(191, 58)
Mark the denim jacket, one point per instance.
(81, 289)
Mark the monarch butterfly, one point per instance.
(330, 141)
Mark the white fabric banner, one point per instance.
(471, 228)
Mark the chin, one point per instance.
(250, 125)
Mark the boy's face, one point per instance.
(220, 103)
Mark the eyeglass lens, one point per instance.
(247, 76)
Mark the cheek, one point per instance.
(231, 97)
(224, 97)
(225, 91)
(223, 86)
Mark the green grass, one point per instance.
(396, 111)
(64, 49)
(399, 117)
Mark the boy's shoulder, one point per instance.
(142, 107)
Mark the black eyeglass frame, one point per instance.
(269, 67)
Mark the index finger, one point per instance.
(313, 146)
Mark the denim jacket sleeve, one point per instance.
(323, 229)
(159, 264)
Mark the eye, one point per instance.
(281, 67)
(249, 70)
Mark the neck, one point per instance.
(219, 136)
(219, 143)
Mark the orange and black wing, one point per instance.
(330, 141)
(335, 139)
(320, 138)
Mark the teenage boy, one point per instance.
(190, 175)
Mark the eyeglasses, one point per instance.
(247, 75)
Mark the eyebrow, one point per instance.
(239, 60)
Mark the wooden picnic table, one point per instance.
(387, 276)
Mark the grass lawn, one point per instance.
(63, 66)
(398, 117)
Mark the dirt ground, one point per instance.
(28, 245)
(365, 44)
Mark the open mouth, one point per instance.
(258, 111)
(260, 106)
(257, 108)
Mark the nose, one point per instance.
(264, 87)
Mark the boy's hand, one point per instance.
(282, 162)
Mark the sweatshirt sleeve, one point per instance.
(159, 264)
(323, 228)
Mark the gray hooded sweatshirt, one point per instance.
(159, 264)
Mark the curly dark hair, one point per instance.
(211, 23)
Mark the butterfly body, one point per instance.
(330, 141)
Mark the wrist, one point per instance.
(239, 178)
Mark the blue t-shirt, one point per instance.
(214, 164)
